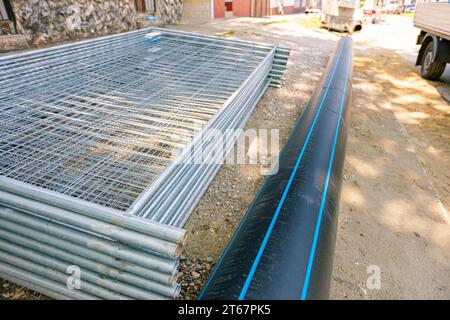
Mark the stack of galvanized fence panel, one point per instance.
(96, 146)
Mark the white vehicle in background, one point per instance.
(369, 7)
(341, 15)
(433, 19)
(392, 8)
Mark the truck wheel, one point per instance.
(431, 70)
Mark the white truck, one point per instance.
(433, 20)
(341, 15)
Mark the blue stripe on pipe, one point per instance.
(288, 186)
(322, 205)
(231, 241)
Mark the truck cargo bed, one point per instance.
(433, 18)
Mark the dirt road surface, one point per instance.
(396, 192)
(396, 189)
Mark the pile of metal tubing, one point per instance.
(95, 141)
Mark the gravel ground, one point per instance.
(10, 291)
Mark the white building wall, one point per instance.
(197, 9)
(285, 3)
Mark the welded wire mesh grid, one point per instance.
(99, 121)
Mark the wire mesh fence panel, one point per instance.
(100, 121)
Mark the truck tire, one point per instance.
(430, 70)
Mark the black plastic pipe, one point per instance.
(284, 246)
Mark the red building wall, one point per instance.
(241, 8)
(219, 8)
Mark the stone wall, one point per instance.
(48, 21)
(169, 11)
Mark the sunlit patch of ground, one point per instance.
(396, 192)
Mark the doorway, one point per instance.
(145, 6)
